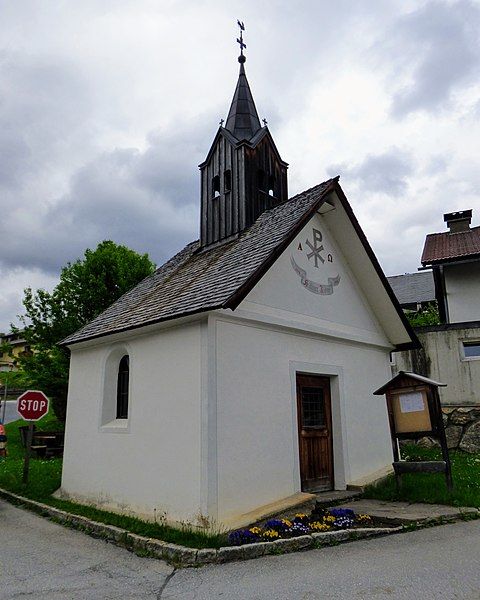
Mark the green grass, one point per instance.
(431, 488)
(45, 477)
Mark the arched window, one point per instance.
(227, 180)
(216, 186)
(122, 387)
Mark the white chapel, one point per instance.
(241, 373)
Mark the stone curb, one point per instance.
(181, 556)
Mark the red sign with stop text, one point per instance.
(32, 405)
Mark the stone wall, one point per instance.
(462, 427)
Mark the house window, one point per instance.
(227, 180)
(471, 350)
(122, 388)
(216, 186)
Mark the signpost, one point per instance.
(414, 411)
(32, 405)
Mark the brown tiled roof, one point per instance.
(446, 246)
(194, 280)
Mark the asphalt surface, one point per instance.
(11, 413)
(42, 560)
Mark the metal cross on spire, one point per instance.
(241, 58)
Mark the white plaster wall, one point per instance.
(256, 411)
(462, 284)
(281, 287)
(152, 462)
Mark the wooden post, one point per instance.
(28, 450)
(443, 442)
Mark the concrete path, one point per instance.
(42, 560)
(405, 512)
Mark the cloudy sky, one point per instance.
(108, 106)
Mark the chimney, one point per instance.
(458, 221)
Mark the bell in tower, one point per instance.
(243, 174)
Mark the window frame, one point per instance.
(123, 377)
(216, 186)
(108, 419)
(469, 342)
(227, 181)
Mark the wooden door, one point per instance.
(315, 432)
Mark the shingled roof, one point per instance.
(242, 120)
(197, 280)
(448, 247)
(413, 288)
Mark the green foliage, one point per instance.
(15, 379)
(425, 316)
(86, 288)
(431, 488)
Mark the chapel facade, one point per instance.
(239, 377)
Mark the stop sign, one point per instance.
(32, 405)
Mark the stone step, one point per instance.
(332, 498)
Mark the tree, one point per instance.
(86, 288)
(428, 315)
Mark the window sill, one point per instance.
(116, 426)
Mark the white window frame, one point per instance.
(108, 422)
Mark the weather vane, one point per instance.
(241, 58)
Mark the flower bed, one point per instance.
(333, 519)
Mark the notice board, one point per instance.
(410, 411)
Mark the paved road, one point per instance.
(11, 413)
(42, 560)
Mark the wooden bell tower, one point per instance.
(243, 174)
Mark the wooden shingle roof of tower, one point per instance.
(242, 121)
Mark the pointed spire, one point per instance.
(242, 120)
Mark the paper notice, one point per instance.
(412, 402)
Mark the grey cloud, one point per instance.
(148, 200)
(431, 52)
(387, 173)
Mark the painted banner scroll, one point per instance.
(324, 289)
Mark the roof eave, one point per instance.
(454, 259)
(66, 344)
(414, 343)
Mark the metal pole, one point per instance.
(28, 449)
(4, 407)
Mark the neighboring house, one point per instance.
(414, 291)
(454, 257)
(451, 351)
(241, 373)
(17, 346)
